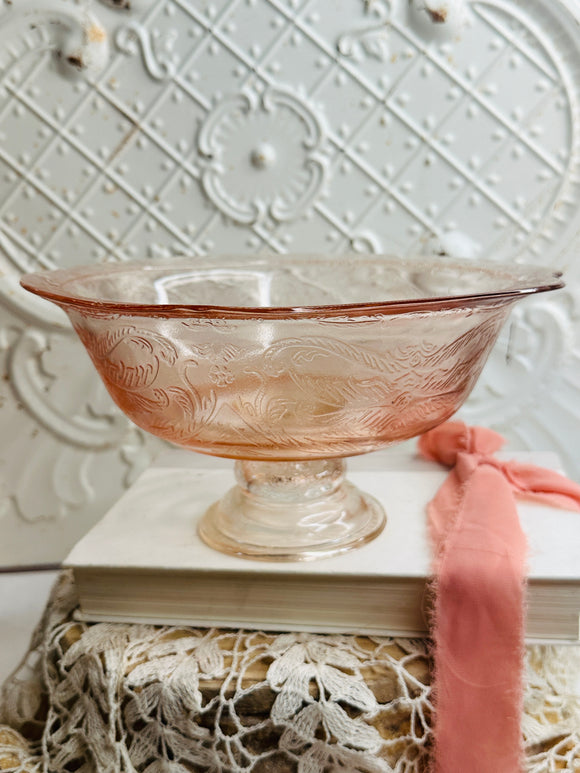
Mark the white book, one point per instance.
(144, 562)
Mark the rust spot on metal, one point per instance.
(132, 131)
(75, 60)
(438, 15)
(96, 34)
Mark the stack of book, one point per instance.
(144, 562)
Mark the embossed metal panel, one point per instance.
(138, 128)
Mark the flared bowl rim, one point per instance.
(516, 280)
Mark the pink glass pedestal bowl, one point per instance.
(289, 364)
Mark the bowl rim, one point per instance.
(526, 280)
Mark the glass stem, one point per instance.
(290, 482)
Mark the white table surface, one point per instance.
(23, 596)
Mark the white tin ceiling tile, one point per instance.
(139, 128)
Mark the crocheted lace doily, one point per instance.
(114, 698)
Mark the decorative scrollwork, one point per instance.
(134, 37)
(370, 40)
(80, 431)
(532, 349)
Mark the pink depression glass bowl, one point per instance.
(288, 364)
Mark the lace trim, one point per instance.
(125, 698)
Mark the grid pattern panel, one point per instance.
(427, 133)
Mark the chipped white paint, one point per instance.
(452, 13)
(454, 244)
(78, 36)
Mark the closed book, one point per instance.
(144, 561)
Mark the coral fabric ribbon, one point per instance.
(479, 571)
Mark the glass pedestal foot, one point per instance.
(291, 511)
